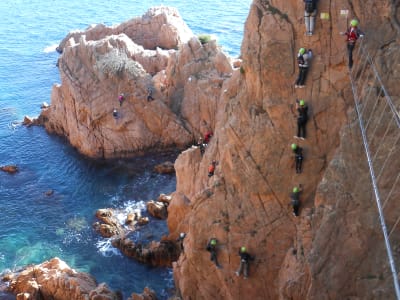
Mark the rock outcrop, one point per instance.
(156, 55)
(54, 279)
(334, 249)
(11, 169)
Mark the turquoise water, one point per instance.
(35, 227)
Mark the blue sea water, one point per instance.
(35, 227)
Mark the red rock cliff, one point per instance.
(334, 250)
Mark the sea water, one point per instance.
(35, 227)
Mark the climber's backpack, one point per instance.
(300, 59)
(309, 7)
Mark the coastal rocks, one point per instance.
(148, 294)
(159, 27)
(165, 168)
(54, 279)
(110, 226)
(160, 254)
(157, 209)
(11, 169)
(171, 92)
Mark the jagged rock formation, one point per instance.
(334, 250)
(54, 279)
(156, 54)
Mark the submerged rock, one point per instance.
(54, 279)
(165, 168)
(148, 294)
(11, 169)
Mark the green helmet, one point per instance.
(294, 146)
(354, 23)
(302, 102)
(213, 242)
(295, 189)
(302, 51)
(243, 249)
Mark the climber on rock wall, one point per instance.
(352, 34)
(310, 12)
(121, 98)
(302, 119)
(303, 60)
(298, 156)
(211, 168)
(295, 201)
(212, 248)
(245, 258)
(180, 239)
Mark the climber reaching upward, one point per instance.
(303, 61)
(352, 34)
(211, 168)
(310, 12)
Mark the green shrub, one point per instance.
(204, 38)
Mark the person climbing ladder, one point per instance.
(310, 12)
(303, 60)
(245, 258)
(352, 34)
(212, 248)
(298, 157)
(295, 201)
(302, 119)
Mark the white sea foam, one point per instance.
(106, 249)
(51, 48)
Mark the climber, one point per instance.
(121, 98)
(352, 33)
(310, 12)
(295, 201)
(150, 94)
(303, 60)
(208, 136)
(245, 258)
(115, 113)
(201, 145)
(212, 248)
(180, 239)
(211, 168)
(302, 119)
(298, 156)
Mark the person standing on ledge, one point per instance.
(310, 12)
(303, 60)
(352, 34)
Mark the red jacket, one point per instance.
(353, 33)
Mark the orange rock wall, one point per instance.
(334, 250)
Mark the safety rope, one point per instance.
(371, 169)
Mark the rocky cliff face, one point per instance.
(334, 250)
(150, 60)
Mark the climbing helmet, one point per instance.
(302, 102)
(302, 51)
(213, 242)
(295, 189)
(294, 146)
(243, 249)
(354, 23)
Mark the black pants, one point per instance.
(213, 257)
(350, 48)
(301, 128)
(299, 161)
(302, 75)
(296, 206)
